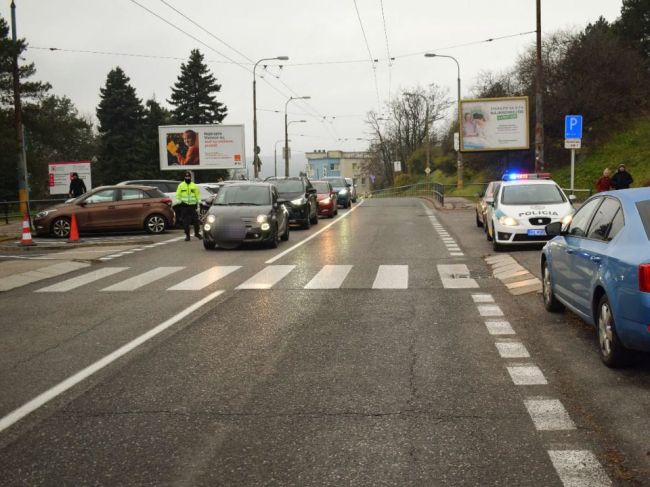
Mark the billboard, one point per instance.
(490, 124)
(201, 147)
(60, 174)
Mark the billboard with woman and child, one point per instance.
(201, 147)
(490, 124)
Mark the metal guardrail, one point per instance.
(10, 210)
(435, 190)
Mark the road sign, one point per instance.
(427, 171)
(572, 143)
(397, 166)
(573, 127)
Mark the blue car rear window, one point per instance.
(644, 211)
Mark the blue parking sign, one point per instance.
(573, 127)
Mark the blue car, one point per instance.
(598, 266)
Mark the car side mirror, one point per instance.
(572, 198)
(312, 191)
(489, 201)
(281, 202)
(554, 229)
(83, 203)
(349, 185)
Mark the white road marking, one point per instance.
(499, 328)
(526, 375)
(143, 279)
(329, 277)
(456, 254)
(579, 468)
(456, 276)
(61, 387)
(204, 279)
(512, 350)
(302, 242)
(267, 277)
(79, 281)
(549, 415)
(490, 310)
(392, 277)
(482, 298)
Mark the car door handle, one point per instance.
(146, 205)
(595, 258)
(570, 251)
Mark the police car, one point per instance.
(523, 206)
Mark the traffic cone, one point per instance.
(26, 239)
(74, 231)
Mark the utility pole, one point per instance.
(23, 187)
(539, 84)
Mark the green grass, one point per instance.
(630, 146)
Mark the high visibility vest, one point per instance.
(188, 193)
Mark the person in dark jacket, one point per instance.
(77, 186)
(622, 179)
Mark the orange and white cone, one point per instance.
(74, 231)
(26, 238)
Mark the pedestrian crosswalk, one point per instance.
(175, 278)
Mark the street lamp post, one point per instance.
(286, 132)
(256, 159)
(460, 183)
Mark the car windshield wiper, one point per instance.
(244, 204)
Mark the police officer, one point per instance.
(188, 196)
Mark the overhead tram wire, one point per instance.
(372, 61)
(390, 61)
(164, 2)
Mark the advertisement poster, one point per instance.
(60, 174)
(201, 147)
(491, 124)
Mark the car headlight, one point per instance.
(508, 221)
(262, 219)
(299, 201)
(211, 218)
(207, 227)
(265, 226)
(44, 213)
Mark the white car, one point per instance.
(522, 207)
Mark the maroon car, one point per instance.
(109, 208)
(326, 197)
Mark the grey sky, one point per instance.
(307, 31)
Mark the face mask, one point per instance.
(188, 180)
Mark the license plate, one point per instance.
(536, 232)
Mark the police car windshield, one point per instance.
(243, 195)
(532, 194)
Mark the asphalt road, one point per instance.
(349, 359)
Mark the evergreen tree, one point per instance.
(121, 128)
(30, 91)
(633, 26)
(155, 115)
(194, 94)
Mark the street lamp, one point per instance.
(286, 132)
(256, 159)
(426, 126)
(460, 154)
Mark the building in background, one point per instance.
(322, 163)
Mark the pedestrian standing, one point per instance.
(77, 186)
(604, 183)
(187, 193)
(622, 179)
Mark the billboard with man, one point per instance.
(201, 147)
(491, 124)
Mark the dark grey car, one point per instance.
(246, 212)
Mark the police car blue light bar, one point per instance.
(524, 176)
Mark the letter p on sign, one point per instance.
(573, 127)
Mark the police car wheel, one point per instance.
(208, 244)
(479, 223)
(488, 235)
(550, 302)
(496, 246)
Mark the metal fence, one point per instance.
(10, 210)
(434, 190)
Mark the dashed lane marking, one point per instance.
(549, 415)
(579, 468)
